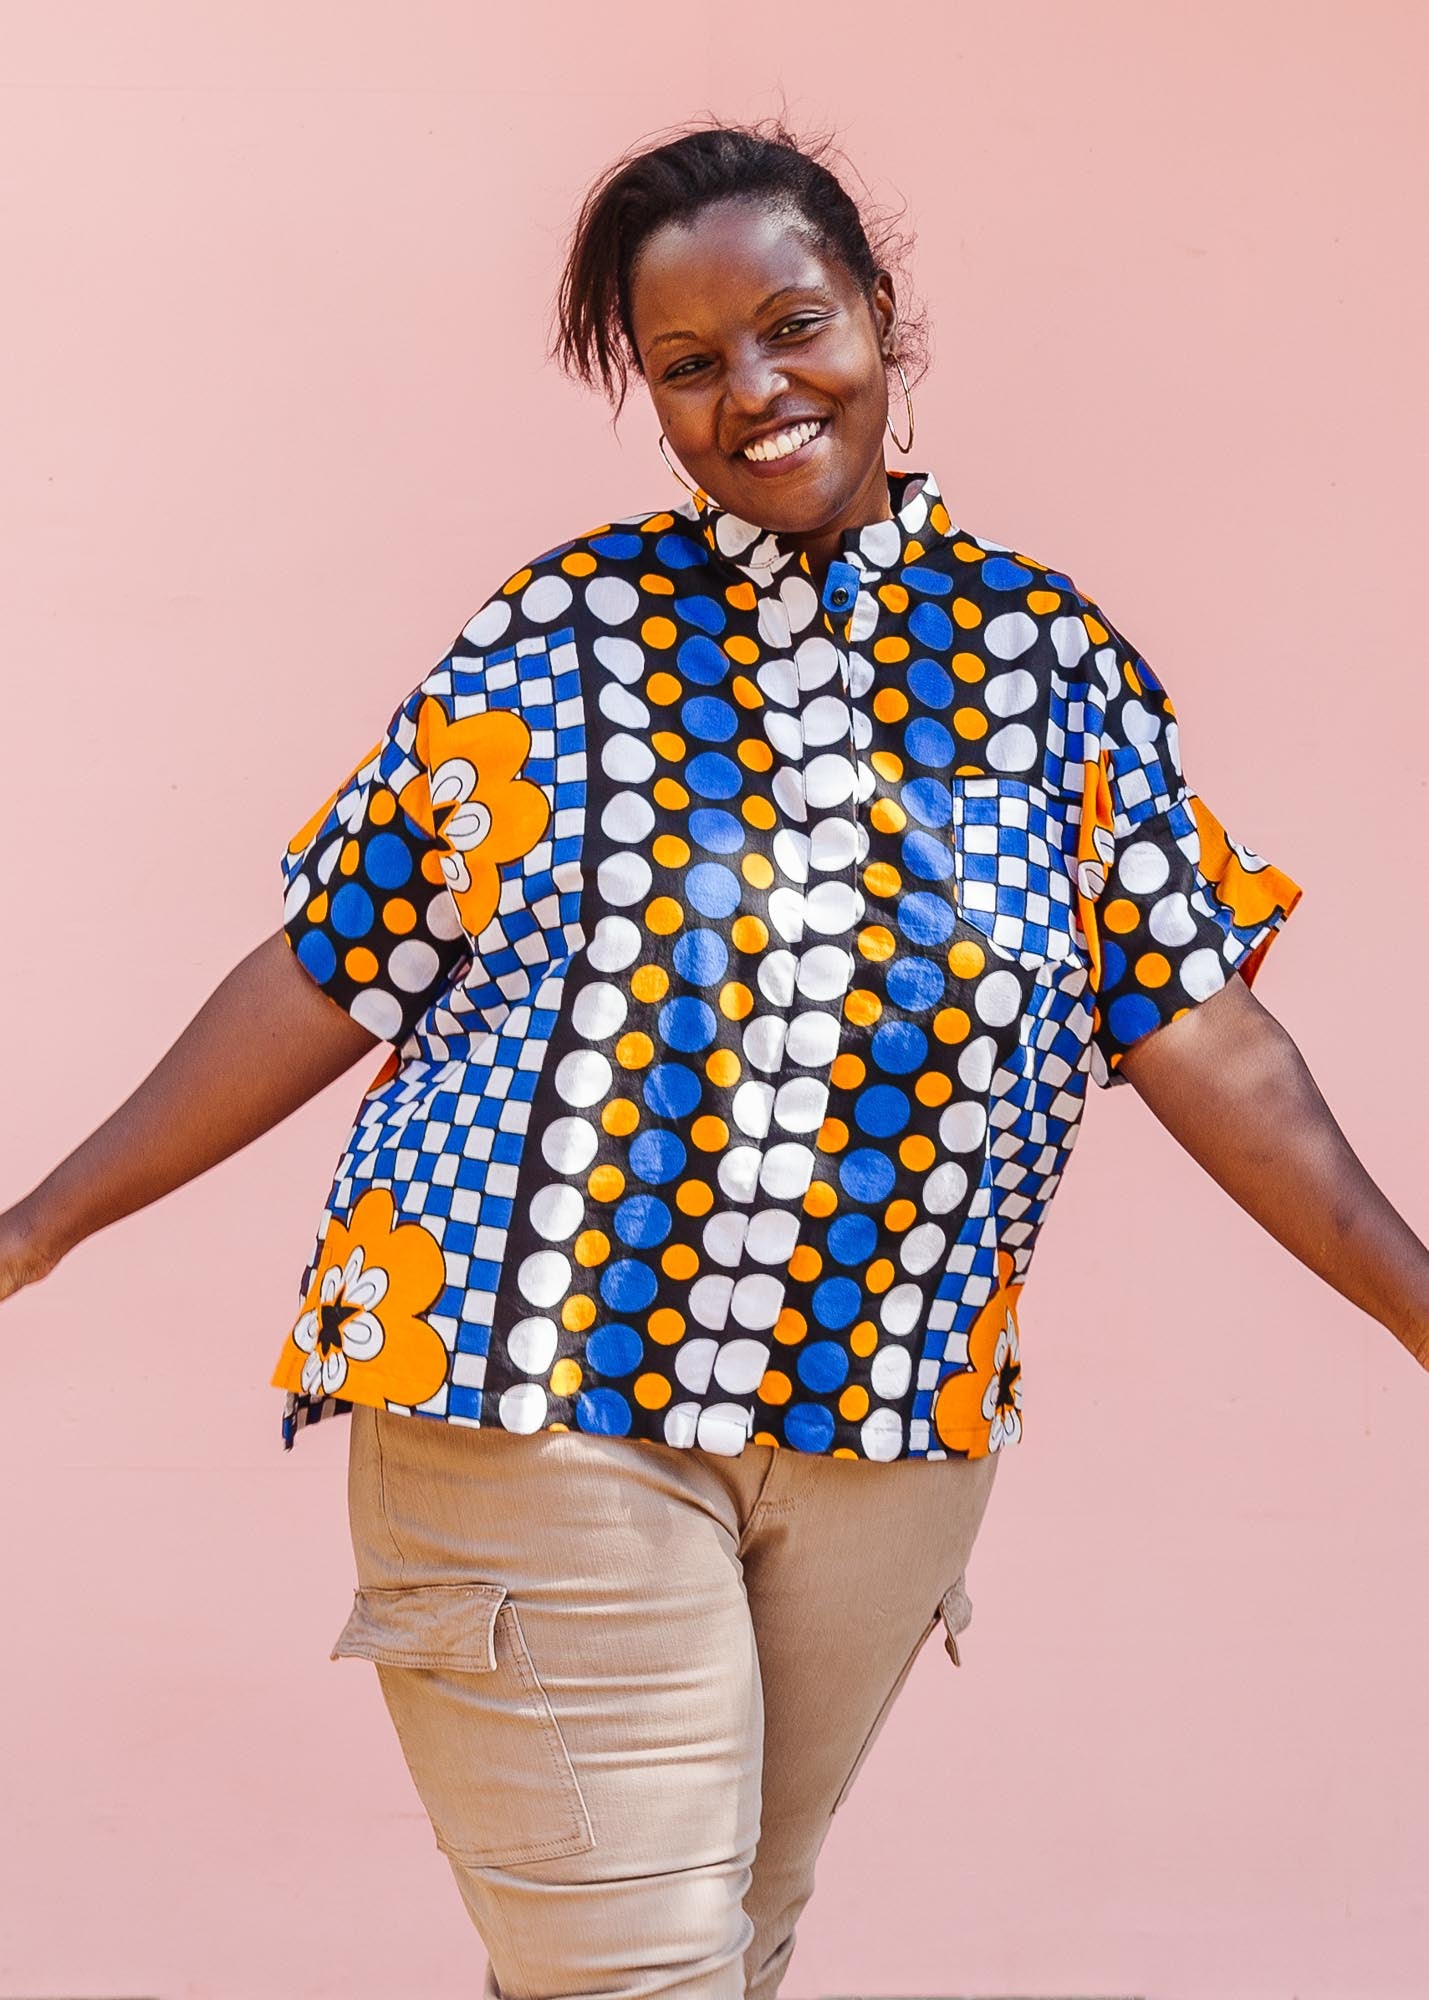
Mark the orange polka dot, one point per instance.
(316, 910)
(592, 1246)
(951, 1024)
(820, 1199)
(664, 916)
(736, 1002)
(848, 1072)
(891, 649)
(968, 667)
(877, 942)
(882, 879)
(679, 1261)
(917, 1154)
(580, 562)
(790, 1327)
(741, 596)
(709, 1134)
(853, 1404)
(864, 1338)
(805, 1264)
(862, 1007)
(663, 689)
(879, 1275)
(694, 1198)
(671, 794)
(932, 1087)
(649, 983)
(670, 851)
(349, 858)
(744, 652)
(517, 582)
(970, 723)
(755, 756)
(652, 1392)
(656, 585)
(399, 916)
(757, 870)
(775, 1387)
(749, 934)
(759, 812)
(1043, 601)
(665, 1325)
(893, 597)
(890, 704)
(888, 764)
(382, 807)
(899, 1215)
(723, 1069)
(360, 963)
(577, 1313)
(619, 1117)
(566, 1377)
(745, 692)
(888, 816)
(833, 1136)
(1119, 915)
(1153, 969)
(634, 1051)
(661, 633)
(665, 743)
(606, 1183)
(966, 959)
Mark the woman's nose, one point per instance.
(754, 382)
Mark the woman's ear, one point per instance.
(885, 311)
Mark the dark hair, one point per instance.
(690, 168)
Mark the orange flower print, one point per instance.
(360, 1333)
(1249, 886)
(979, 1410)
(351, 808)
(476, 805)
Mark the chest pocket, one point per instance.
(1010, 876)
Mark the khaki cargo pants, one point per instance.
(633, 1682)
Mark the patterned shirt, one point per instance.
(745, 947)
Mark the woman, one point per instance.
(746, 895)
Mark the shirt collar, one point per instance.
(919, 522)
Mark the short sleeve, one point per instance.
(368, 907)
(1170, 902)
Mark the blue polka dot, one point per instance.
(702, 957)
(866, 1174)
(702, 662)
(717, 832)
(915, 983)
(928, 683)
(852, 1239)
(603, 1410)
(704, 612)
(709, 718)
(657, 1156)
(931, 626)
(687, 1024)
(1000, 574)
(823, 1365)
(388, 861)
(899, 1048)
(1113, 965)
(712, 889)
(614, 1350)
(927, 582)
(1133, 1015)
(620, 548)
(671, 1090)
(926, 858)
(627, 1285)
(929, 800)
(881, 1111)
(808, 1427)
(315, 952)
(641, 1221)
(352, 912)
(836, 1301)
(712, 775)
(925, 918)
(681, 552)
(927, 742)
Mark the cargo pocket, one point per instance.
(1010, 876)
(882, 1716)
(956, 1612)
(479, 1735)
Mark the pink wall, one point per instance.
(279, 420)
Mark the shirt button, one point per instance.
(839, 596)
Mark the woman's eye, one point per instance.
(809, 319)
(675, 373)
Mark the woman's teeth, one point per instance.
(783, 442)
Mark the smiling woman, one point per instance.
(748, 894)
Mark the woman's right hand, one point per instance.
(26, 1255)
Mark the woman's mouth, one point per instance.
(783, 451)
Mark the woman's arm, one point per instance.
(1229, 1083)
(264, 1042)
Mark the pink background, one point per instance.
(279, 419)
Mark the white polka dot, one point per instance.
(787, 1171)
(1069, 640)
(740, 1364)
(1171, 922)
(531, 1344)
(627, 818)
(1010, 694)
(1139, 723)
(1012, 748)
(624, 878)
(1202, 973)
(751, 1108)
(380, 1013)
(963, 1127)
(523, 1407)
(413, 965)
(788, 793)
(774, 624)
(546, 598)
(582, 1077)
(976, 1062)
(627, 759)
(693, 1360)
(489, 623)
(708, 1300)
(826, 720)
(777, 681)
(622, 708)
(757, 1300)
(801, 1104)
(902, 1308)
(784, 733)
(443, 919)
(680, 1421)
(1009, 635)
(832, 908)
(569, 1145)
(828, 781)
(763, 1041)
(800, 601)
(813, 1039)
(612, 599)
(882, 542)
(599, 1011)
(723, 1429)
(997, 999)
(773, 1236)
(922, 1248)
(881, 1434)
(621, 657)
(791, 854)
(544, 1277)
(615, 944)
(890, 1372)
(775, 977)
(557, 1211)
(947, 1185)
(296, 897)
(738, 1172)
(833, 843)
(825, 972)
(1144, 868)
(723, 1237)
(786, 913)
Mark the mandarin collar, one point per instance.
(919, 522)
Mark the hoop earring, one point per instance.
(675, 469)
(899, 443)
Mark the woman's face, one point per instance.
(746, 330)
